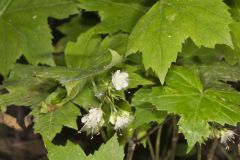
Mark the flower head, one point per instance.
(120, 80)
(122, 120)
(227, 135)
(93, 121)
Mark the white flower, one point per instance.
(123, 120)
(227, 135)
(120, 80)
(93, 121)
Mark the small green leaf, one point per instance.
(215, 74)
(191, 54)
(137, 80)
(90, 51)
(109, 151)
(86, 98)
(68, 152)
(72, 30)
(51, 123)
(147, 113)
(235, 9)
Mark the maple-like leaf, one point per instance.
(185, 95)
(24, 30)
(159, 34)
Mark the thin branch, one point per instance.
(199, 154)
(174, 138)
(131, 146)
(211, 153)
(158, 141)
(150, 148)
(148, 134)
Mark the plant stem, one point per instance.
(199, 154)
(148, 134)
(158, 141)
(174, 138)
(104, 136)
(224, 152)
(131, 148)
(150, 148)
(211, 153)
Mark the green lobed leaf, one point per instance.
(116, 15)
(191, 54)
(185, 95)
(90, 51)
(232, 55)
(51, 123)
(24, 88)
(68, 152)
(135, 78)
(67, 77)
(86, 98)
(72, 30)
(235, 9)
(215, 74)
(159, 34)
(147, 113)
(235, 29)
(31, 35)
(110, 151)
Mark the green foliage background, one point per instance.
(180, 56)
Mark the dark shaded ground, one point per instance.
(25, 145)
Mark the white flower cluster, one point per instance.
(227, 135)
(121, 119)
(93, 121)
(120, 80)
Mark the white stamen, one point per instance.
(227, 135)
(122, 121)
(93, 121)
